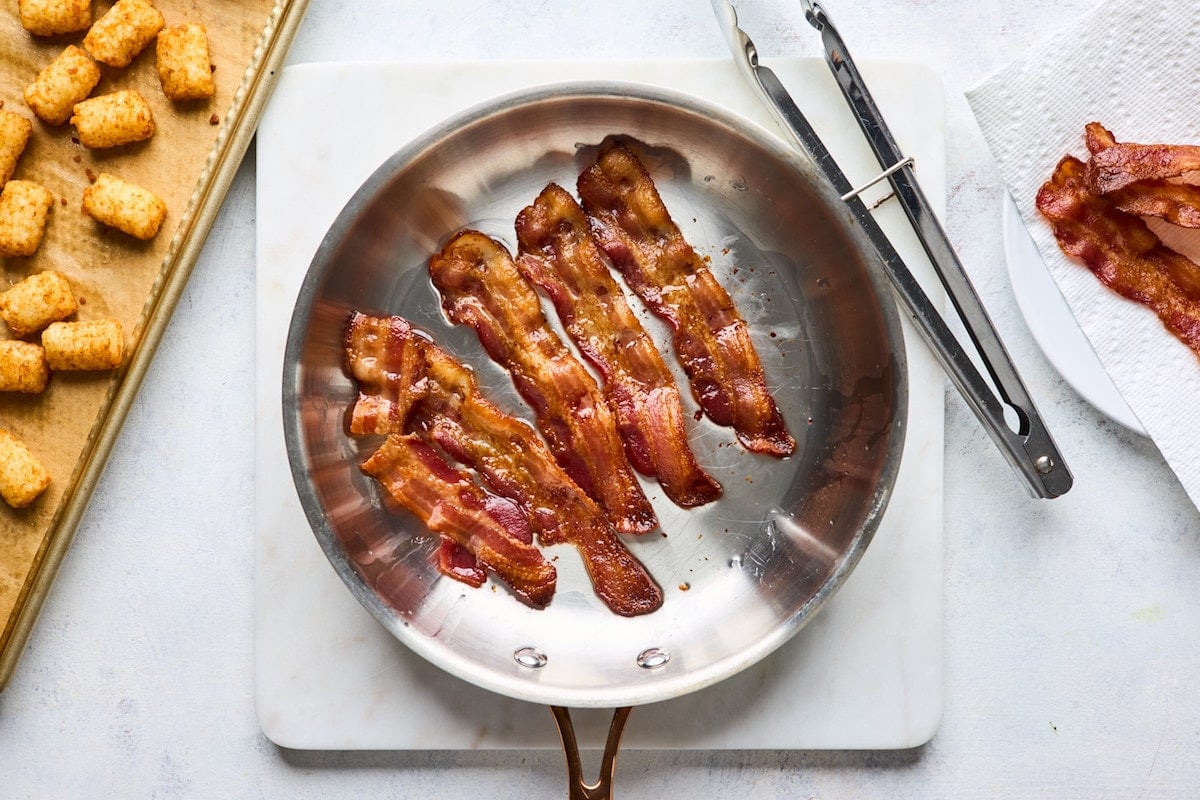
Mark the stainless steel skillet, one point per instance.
(741, 576)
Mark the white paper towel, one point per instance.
(1134, 67)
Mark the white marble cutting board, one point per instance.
(866, 673)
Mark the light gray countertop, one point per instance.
(1071, 641)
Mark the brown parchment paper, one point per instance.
(112, 274)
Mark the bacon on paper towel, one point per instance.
(1114, 164)
(1122, 251)
(1176, 203)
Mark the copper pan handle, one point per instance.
(602, 789)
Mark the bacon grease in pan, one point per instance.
(447, 407)
(559, 255)
(712, 340)
(1121, 251)
(481, 287)
(448, 502)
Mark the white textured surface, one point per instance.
(1138, 78)
(1071, 636)
(866, 674)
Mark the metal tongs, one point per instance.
(1029, 449)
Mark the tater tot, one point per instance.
(184, 67)
(66, 81)
(124, 206)
(14, 135)
(23, 367)
(111, 120)
(37, 301)
(123, 32)
(71, 346)
(53, 17)
(22, 477)
(24, 209)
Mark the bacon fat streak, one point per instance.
(712, 340)
(559, 255)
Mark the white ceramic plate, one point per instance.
(1053, 325)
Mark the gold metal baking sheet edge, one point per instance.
(237, 130)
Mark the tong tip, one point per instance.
(738, 41)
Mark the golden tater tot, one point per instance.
(53, 17)
(14, 135)
(124, 206)
(123, 32)
(22, 477)
(184, 67)
(37, 301)
(111, 120)
(23, 367)
(24, 209)
(92, 345)
(66, 81)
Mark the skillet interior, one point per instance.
(758, 563)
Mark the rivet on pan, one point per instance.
(653, 658)
(1044, 464)
(530, 657)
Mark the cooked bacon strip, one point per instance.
(448, 502)
(1097, 137)
(1114, 164)
(514, 462)
(481, 287)
(1176, 203)
(384, 357)
(712, 341)
(389, 364)
(1122, 252)
(559, 254)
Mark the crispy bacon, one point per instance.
(1122, 252)
(712, 340)
(513, 461)
(389, 364)
(516, 464)
(448, 502)
(481, 287)
(559, 255)
(1114, 164)
(383, 357)
(1176, 203)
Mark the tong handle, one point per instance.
(1030, 449)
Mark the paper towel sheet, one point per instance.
(1134, 68)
